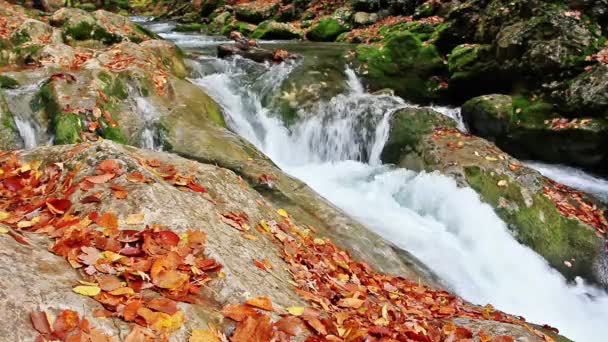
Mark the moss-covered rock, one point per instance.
(408, 127)
(517, 124)
(587, 92)
(190, 27)
(9, 134)
(474, 71)
(254, 12)
(7, 82)
(327, 29)
(421, 139)
(403, 63)
(271, 29)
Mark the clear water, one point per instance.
(335, 150)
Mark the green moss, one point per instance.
(20, 37)
(145, 31)
(408, 126)
(540, 226)
(85, 31)
(115, 134)
(113, 87)
(67, 128)
(326, 30)
(530, 112)
(7, 82)
(273, 30)
(404, 64)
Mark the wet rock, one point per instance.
(254, 12)
(420, 139)
(364, 18)
(518, 124)
(9, 134)
(256, 54)
(473, 71)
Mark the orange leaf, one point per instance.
(66, 322)
(253, 329)
(108, 220)
(238, 312)
(502, 338)
(100, 179)
(263, 303)
(137, 177)
(40, 322)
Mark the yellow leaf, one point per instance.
(25, 224)
(4, 215)
(3, 230)
(170, 323)
(121, 291)
(502, 183)
(283, 213)
(111, 256)
(295, 310)
(135, 219)
(318, 241)
(491, 158)
(86, 290)
(250, 237)
(200, 335)
(265, 225)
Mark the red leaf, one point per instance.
(196, 187)
(40, 322)
(100, 179)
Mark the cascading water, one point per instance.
(149, 136)
(19, 103)
(575, 178)
(446, 227)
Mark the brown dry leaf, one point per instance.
(100, 179)
(290, 325)
(108, 282)
(200, 335)
(137, 177)
(263, 303)
(502, 338)
(40, 321)
(163, 305)
(120, 194)
(354, 303)
(238, 312)
(170, 280)
(253, 329)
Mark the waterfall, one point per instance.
(445, 226)
(25, 119)
(149, 137)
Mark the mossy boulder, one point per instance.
(403, 63)
(7, 82)
(9, 134)
(421, 139)
(408, 127)
(327, 29)
(271, 29)
(190, 27)
(517, 124)
(551, 45)
(103, 26)
(255, 12)
(474, 71)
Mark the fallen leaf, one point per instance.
(238, 312)
(86, 290)
(295, 310)
(502, 183)
(283, 213)
(263, 303)
(40, 321)
(100, 179)
(199, 335)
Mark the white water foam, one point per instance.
(446, 227)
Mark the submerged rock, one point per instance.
(569, 236)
